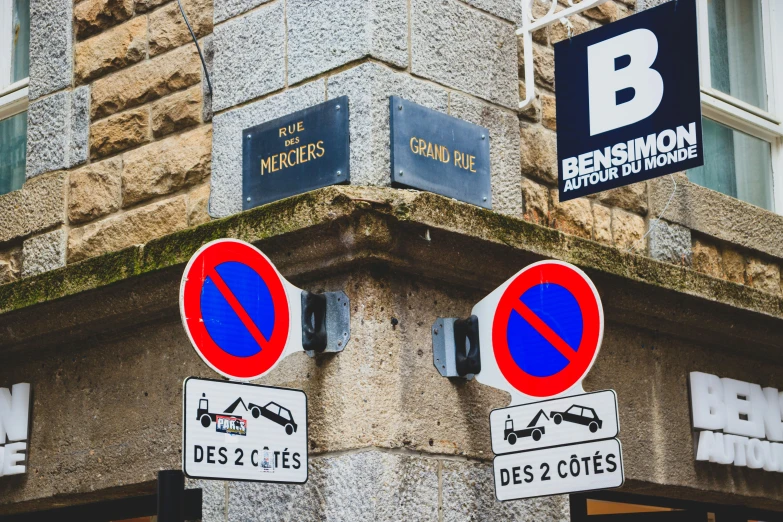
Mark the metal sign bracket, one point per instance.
(326, 322)
(456, 351)
(531, 24)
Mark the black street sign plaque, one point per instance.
(439, 153)
(299, 152)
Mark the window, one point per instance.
(14, 72)
(741, 60)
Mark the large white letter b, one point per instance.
(604, 81)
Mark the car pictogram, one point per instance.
(276, 413)
(578, 415)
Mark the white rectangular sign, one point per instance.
(239, 431)
(555, 422)
(556, 471)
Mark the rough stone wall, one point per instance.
(119, 132)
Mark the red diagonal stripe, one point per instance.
(544, 329)
(235, 305)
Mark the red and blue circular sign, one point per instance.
(547, 328)
(235, 309)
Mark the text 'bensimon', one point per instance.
(14, 423)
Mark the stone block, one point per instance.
(548, 112)
(632, 198)
(572, 217)
(670, 243)
(543, 65)
(143, 6)
(536, 202)
(628, 230)
(57, 131)
(111, 51)
(468, 491)
(213, 494)
(538, 153)
(198, 205)
(44, 252)
(226, 179)
(166, 166)
(95, 190)
(249, 57)
(226, 9)
(176, 112)
(706, 258)
(51, 46)
(10, 265)
(503, 149)
(602, 224)
(168, 29)
(463, 48)
(763, 275)
(120, 132)
(368, 485)
(38, 205)
(208, 49)
(326, 34)
(93, 16)
(533, 111)
(559, 31)
(604, 13)
(734, 265)
(135, 227)
(146, 81)
(368, 87)
(511, 10)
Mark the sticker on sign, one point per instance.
(238, 431)
(555, 422)
(555, 471)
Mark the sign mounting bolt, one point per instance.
(400, 173)
(338, 107)
(483, 136)
(339, 172)
(248, 198)
(399, 106)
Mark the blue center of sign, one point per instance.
(241, 287)
(558, 309)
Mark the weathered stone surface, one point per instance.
(93, 16)
(462, 48)
(763, 275)
(572, 217)
(469, 494)
(214, 494)
(208, 49)
(533, 111)
(641, 5)
(226, 177)
(38, 205)
(548, 112)
(508, 9)
(51, 46)
(142, 6)
(10, 265)
(559, 31)
(670, 243)
(536, 202)
(631, 197)
(538, 153)
(733, 265)
(543, 64)
(602, 224)
(198, 205)
(226, 9)
(717, 215)
(368, 88)
(628, 230)
(44, 252)
(706, 258)
(135, 227)
(503, 149)
(249, 57)
(166, 166)
(168, 29)
(604, 13)
(117, 48)
(57, 132)
(176, 112)
(120, 132)
(146, 81)
(325, 34)
(368, 485)
(95, 190)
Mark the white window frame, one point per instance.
(736, 114)
(13, 97)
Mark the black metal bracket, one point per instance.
(326, 322)
(456, 349)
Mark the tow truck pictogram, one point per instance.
(532, 430)
(226, 422)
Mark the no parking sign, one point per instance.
(539, 333)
